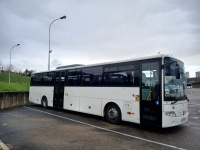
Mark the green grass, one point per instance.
(18, 83)
(14, 87)
(14, 78)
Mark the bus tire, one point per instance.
(113, 114)
(44, 102)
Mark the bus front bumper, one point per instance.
(168, 121)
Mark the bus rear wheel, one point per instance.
(113, 114)
(44, 102)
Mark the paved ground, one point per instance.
(33, 127)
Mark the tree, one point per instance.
(28, 72)
(9, 67)
(1, 63)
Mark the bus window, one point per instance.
(74, 78)
(121, 75)
(91, 76)
(32, 79)
(37, 79)
(47, 79)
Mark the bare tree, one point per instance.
(9, 67)
(16, 70)
(1, 65)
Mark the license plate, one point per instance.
(183, 119)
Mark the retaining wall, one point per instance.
(11, 99)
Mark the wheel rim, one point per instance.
(112, 113)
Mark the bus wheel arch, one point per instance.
(44, 101)
(112, 113)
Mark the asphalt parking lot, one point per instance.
(32, 127)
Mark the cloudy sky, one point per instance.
(98, 31)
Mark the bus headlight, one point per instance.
(185, 112)
(171, 113)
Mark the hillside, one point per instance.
(17, 83)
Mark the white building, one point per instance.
(187, 74)
(198, 74)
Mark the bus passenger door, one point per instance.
(59, 88)
(150, 103)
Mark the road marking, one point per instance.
(191, 105)
(194, 124)
(135, 137)
(3, 146)
(195, 117)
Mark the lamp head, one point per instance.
(63, 17)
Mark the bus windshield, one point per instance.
(175, 86)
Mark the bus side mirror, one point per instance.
(177, 72)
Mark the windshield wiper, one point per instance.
(174, 102)
(180, 99)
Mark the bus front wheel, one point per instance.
(44, 102)
(113, 114)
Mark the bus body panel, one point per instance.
(131, 111)
(36, 93)
(92, 100)
(168, 121)
(180, 109)
(71, 103)
(179, 106)
(90, 105)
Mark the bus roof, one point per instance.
(105, 63)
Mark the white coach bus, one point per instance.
(147, 91)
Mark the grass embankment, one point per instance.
(18, 82)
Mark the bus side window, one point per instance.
(74, 78)
(36, 79)
(51, 78)
(103, 79)
(136, 78)
(91, 76)
(45, 79)
(32, 79)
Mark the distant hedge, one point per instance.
(196, 85)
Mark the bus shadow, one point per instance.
(153, 129)
(123, 126)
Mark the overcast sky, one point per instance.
(98, 31)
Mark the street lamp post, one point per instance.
(10, 61)
(63, 17)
